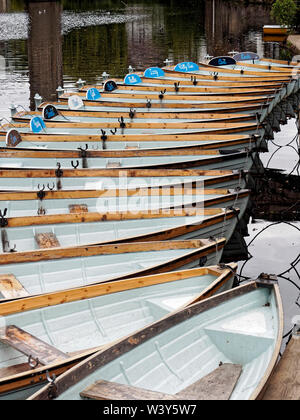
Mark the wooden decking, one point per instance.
(285, 382)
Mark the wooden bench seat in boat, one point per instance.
(31, 346)
(217, 385)
(47, 240)
(11, 288)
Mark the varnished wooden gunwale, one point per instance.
(264, 77)
(180, 150)
(110, 353)
(101, 289)
(131, 137)
(273, 60)
(150, 125)
(208, 81)
(186, 90)
(221, 69)
(179, 98)
(134, 123)
(24, 116)
(177, 211)
(204, 103)
(140, 192)
(249, 64)
(108, 249)
(108, 172)
(189, 164)
(38, 375)
(216, 107)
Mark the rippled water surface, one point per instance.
(49, 44)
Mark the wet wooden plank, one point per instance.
(285, 382)
(47, 240)
(30, 345)
(11, 288)
(104, 390)
(78, 208)
(217, 385)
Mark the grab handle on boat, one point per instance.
(52, 188)
(41, 195)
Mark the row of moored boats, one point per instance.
(116, 203)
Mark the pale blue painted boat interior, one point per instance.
(53, 275)
(107, 231)
(123, 145)
(226, 162)
(85, 324)
(242, 331)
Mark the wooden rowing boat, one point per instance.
(177, 159)
(28, 233)
(150, 118)
(167, 101)
(31, 203)
(224, 347)
(108, 141)
(55, 269)
(113, 178)
(145, 112)
(144, 147)
(60, 329)
(153, 90)
(93, 128)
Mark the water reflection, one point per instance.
(44, 49)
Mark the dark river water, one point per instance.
(44, 45)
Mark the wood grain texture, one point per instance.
(30, 345)
(11, 288)
(285, 382)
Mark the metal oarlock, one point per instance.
(41, 195)
(33, 363)
(132, 113)
(75, 165)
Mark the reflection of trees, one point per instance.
(90, 51)
(228, 23)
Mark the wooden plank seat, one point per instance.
(31, 346)
(78, 208)
(47, 240)
(11, 288)
(217, 385)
